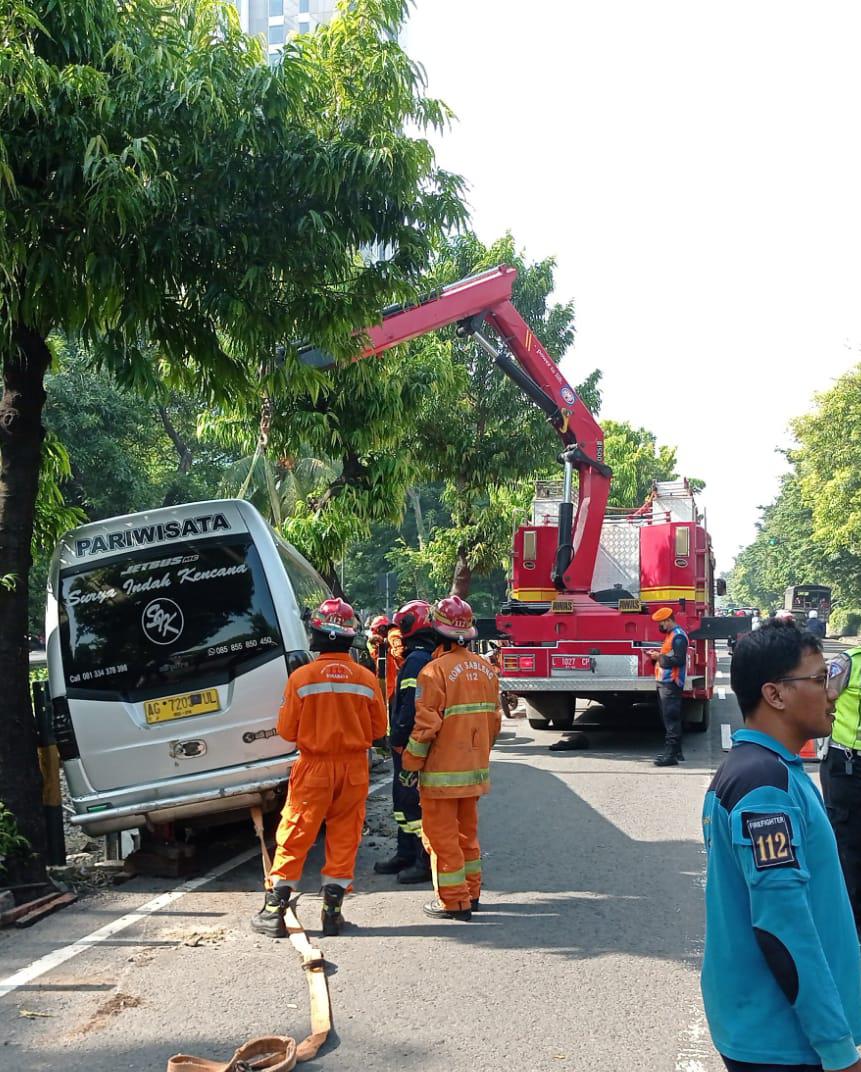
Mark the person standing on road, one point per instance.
(448, 754)
(781, 976)
(410, 862)
(333, 709)
(815, 624)
(840, 772)
(670, 663)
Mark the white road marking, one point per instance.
(59, 956)
(721, 694)
(725, 736)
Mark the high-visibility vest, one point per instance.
(846, 730)
(672, 675)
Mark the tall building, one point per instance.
(275, 20)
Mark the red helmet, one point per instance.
(334, 617)
(452, 617)
(380, 625)
(413, 617)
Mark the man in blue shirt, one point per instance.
(782, 973)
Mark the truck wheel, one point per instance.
(549, 710)
(697, 715)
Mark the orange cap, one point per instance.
(662, 614)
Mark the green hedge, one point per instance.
(845, 621)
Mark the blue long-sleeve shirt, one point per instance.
(781, 975)
(404, 708)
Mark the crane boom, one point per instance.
(485, 299)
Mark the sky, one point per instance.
(695, 170)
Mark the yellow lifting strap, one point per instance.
(277, 1053)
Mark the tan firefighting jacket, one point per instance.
(457, 720)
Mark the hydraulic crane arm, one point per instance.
(485, 299)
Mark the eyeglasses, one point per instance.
(821, 679)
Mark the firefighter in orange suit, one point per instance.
(334, 710)
(387, 637)
(457, 721)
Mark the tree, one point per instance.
(827, 464)
(809, 534)
(181, 207)
(783, 552)
(637, 461)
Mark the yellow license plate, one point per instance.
(188, 703)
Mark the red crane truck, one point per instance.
(584, 584)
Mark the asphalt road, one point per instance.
(585, 955)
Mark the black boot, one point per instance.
(670, 756)
(437, 910)
(332, 917)
(417, 872)
(392, 866)
(270, 919)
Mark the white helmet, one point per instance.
(812, 614)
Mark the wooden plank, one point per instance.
(12, 914)
(52, 904)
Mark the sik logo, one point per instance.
(162, 621)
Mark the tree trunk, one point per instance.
(332, 578)
(21, 436)
(416, 503)
(186, 460)
(462, 574)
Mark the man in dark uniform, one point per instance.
(410, 862)
(670, 665)
(840, 773)
(781, 974)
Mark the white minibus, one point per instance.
(170, 635)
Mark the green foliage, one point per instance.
(827, 464)
(637, 461)
(845, 621)
(12, 842)
(810, 533)
(161, 184)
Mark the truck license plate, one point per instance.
(187, 703)
(570, 662)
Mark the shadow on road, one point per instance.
(563, 879)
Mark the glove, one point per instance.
(409, 779)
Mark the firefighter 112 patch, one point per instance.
(771, 839)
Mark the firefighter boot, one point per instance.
(270, 919)
(392, 866)
(418, 871)
(437, 910)
(670, 756)
(332, 918)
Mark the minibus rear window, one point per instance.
(198, 614)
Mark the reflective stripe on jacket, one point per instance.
(332, 707)
(457, 720)
(846, 730)
(671, 664)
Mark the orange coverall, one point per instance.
(457, 720)
(333, 709)
(394, 658)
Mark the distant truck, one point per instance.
(801, 599)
